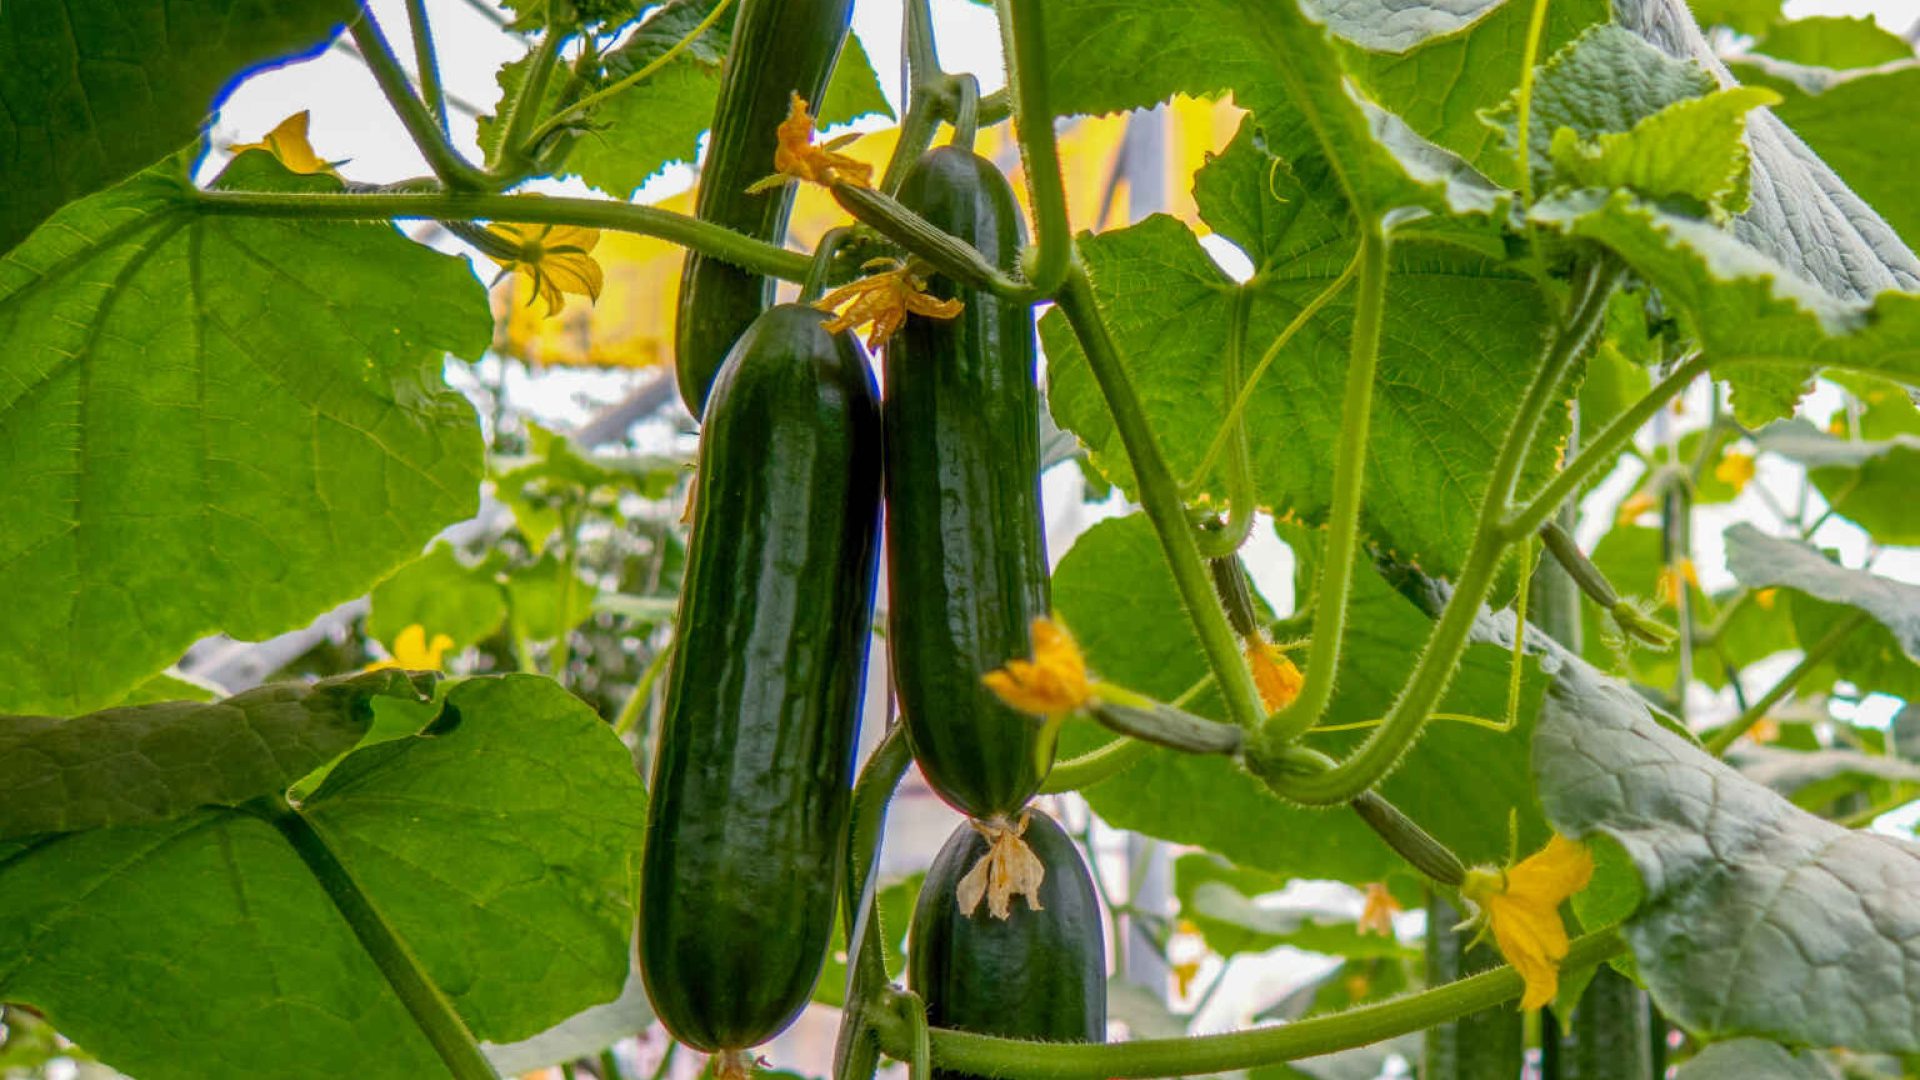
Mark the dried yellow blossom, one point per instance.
(797, 157)
(555, 257)
(1274, 675)
(1521, 905)
(413, 652)
(1008, 869)
(1053, 683)
(288, 143)
(1634, 505)
(884, 300)
(1734, 470)
(1376, 914)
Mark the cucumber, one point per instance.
(1487, 1045)
(967, 561)
(779, 48)
(1034, 975)
(752, 777)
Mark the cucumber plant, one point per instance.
(1487, 315)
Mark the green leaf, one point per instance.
(1858, 124)
(1113, 589)
(1458, 345)
(1606, 82)
(657, 122)
(1750, 17)
(1222, 900)
(169, 686)
(1832, 41)
(149, 763)
(1743, 1059)
(580, 1035)
(500, 848)
(202, 430)
(1694, 151)
(93, 91)
(1767, 330)
(1759, 918)
(545, 599)
(441, 594)
(1868, 483)
(1759, 561)
(1441, 85)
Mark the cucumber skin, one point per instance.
(1034, 975)
(752, 779)
(966, 558)
(779, 47)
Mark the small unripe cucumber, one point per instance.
(752, 779)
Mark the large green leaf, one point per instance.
(1834, 42)
(215, 423)
(443, 595)
(1459, 340)
(1744, 1059)
(1759, 561)
(499, 846)
(1758, 918)
(1766, 330)
(1114, 591)
(1867, 482)
(144, 763)
(1856, 121)
(92, 91)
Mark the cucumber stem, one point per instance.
(1023, 42)
(447, 164)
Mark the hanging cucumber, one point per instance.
(751, 781)
(967, 562)
(779, 48)
(1038, 974)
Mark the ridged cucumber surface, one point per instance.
(752, 777)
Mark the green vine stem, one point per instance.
(1603, 450)
(423, 1001)
(1018, 1059)
(704, 237)
(1090, 768)
(1302, 777)
(425, 61)
(1816, 654)
(925, 87)
(1215, 543)
(1349, 474)
(856, 1054)
(446, 162)
(1160, 497)
(1023, 40)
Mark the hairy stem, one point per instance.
(1018, 1059)
(447, 164)
(704, 237)
(1160, 497)
(424, 60)
(1349, 474)
(1090, 768)
(1816, 654)
(1223, 542)
(1023, 41)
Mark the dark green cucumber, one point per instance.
(1033, 975)
(966, 558)
(1487, 1045)
(779, 48)
(752, 778)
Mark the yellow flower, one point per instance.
(1764, 730)
(555, 257)
(797, 157)
(884, 300)
(1053, 683)
(288, 143)
(1635, 504)
(413, 652)
(1278, 681)
(1668, 587)
(1734, 470)
(1766, 598)
(1376, 915)
(1522, 907)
